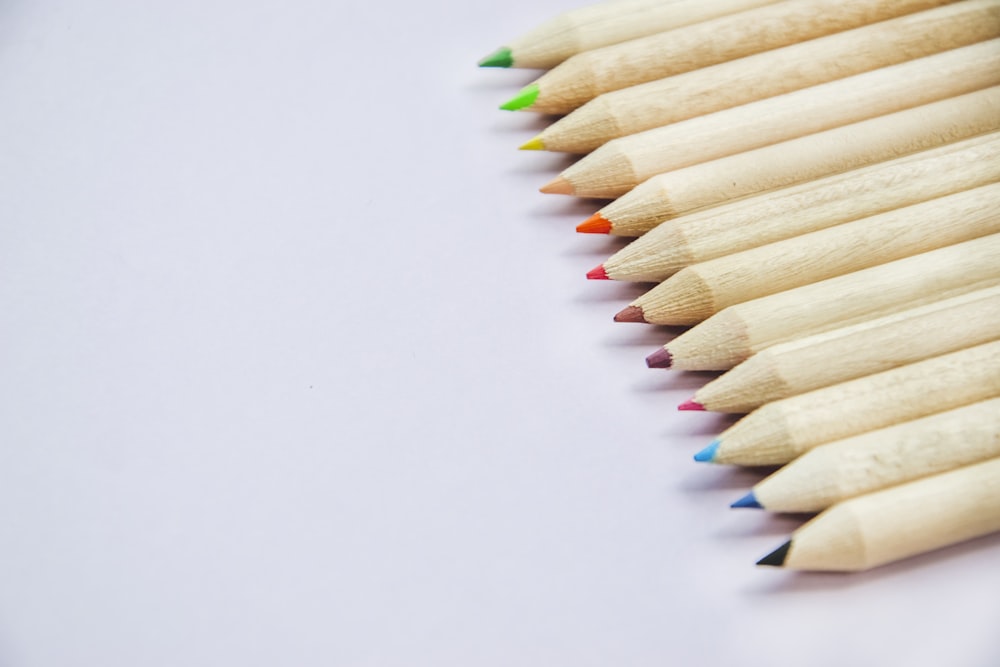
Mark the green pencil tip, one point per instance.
(523, 99)
(499, 58)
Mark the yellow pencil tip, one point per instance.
(557, 186)
(533, 145)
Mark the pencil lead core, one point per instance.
(631, 314)
(499, 58)
(534, 144)
(598, 273)
(660, 359)
(595, 224)
(777, 557)
(557, 186)
(524, 98)
(707, 455)
(749, 500)
(691, 404)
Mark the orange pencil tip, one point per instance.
(595, 224)
(631, 314)
(557, 186)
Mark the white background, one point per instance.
(298, 368)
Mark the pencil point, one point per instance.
(691, 404)
(777, 557)
(707, 455)
(524, 98)
(631, 314)
(534, 144)
(659, 359)
(749, 500)
(499, 58)
(598, 273)
(557, 186)
(595, 224)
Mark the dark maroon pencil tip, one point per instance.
(660, 359)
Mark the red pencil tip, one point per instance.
(660, 359)
(631, 314)
(598, 274)
(595, 224)
(691, 404)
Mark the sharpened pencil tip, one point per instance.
(524, 98)
(500, 58)
(691, 404)
(749, 500)
(707, 455)
(660, 359)
(534, 144)
(777, 557)
(631, 314)
(557, 186)
(598, 273)
(595, 224)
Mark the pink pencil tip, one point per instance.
(691, 404)
(598, 274)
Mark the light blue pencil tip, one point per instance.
(749, 500)
(707, 455)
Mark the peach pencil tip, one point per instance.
(557, 186)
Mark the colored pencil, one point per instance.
(898, 522)
(879, 459)
(587, 75)
(799, 160)
(780, 431)
(773, 216)
(734, 334)
(604, 24)
(804, 364)
(701, 290)
(621, 164)
(702, 91)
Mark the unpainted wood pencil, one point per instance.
(701, 290)
(657, 103)
(733, 334)
(812, 362)
(604, 24)
(621, 164)
(879, 459)
(800, 160)
(773, 216)
(780, 431)
(898, 522)
(587, 75)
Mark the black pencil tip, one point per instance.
(777, 557)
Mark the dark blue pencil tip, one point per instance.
(707, 455)
(749, 500)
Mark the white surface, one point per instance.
(299, 369)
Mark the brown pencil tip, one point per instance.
(597, 273)
(557, 186)
(595, 224)
(660, 359)
(631, 314)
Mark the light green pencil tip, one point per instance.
(524, 99)
(533, 144)
(499, 58)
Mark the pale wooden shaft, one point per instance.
(901, 521)
(609, 23)
(845, 353)
(716, 344)
(879, 459)
(773, 216)
(780, 431)
(804, 159)
(702, 91)
(586, 75)
(621, 164)
(703, 289)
